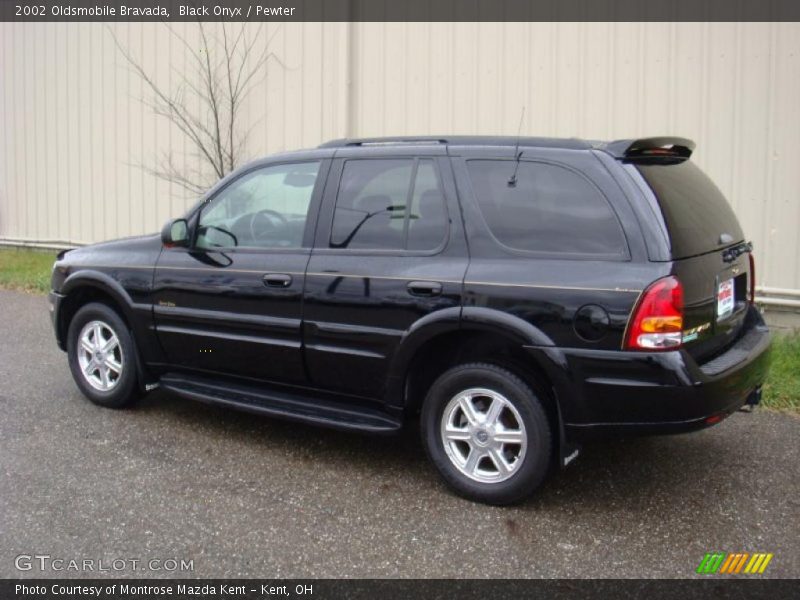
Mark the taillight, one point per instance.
(657, 322)
(752, 278)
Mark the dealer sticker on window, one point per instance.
(725, 299)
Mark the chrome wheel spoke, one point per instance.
(98, 335)
(499, 461)
(110, 345)
(86, 345)
(495, 408)
(508, 436)
(468, 409)
(90, 368)
(473, 459)
(104, 375)
(457, 434)
(114, 365)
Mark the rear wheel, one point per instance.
(101, 354)
(487, 433)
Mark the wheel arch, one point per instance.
(478, 334)
(83, 287)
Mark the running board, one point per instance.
(283, 405)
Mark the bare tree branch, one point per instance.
(205, 105)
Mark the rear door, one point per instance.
(548, 243)
(707, 247)
(389, 250)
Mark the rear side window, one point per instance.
(389, 204)
(695, 211)
(550, 210)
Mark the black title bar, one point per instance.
(400, 10)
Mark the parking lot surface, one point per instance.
(243, 496)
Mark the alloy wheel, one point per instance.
(100, 356)
(483, 435)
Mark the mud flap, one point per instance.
(753, 400)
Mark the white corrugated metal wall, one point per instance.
(73, 130)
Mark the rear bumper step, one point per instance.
(337, 415)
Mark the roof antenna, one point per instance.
(517, 154)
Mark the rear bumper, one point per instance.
(602, 393)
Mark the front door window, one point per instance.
(267, 208)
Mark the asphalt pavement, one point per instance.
(245, 496)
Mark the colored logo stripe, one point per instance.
(758, 563)
(734, 562)
(721, 562)
(711, 562)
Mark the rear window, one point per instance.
(695, 211)
(551, 210)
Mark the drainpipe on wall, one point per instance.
(777, 297)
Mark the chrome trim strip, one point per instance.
(554, 287)
(389, 277)
(229, 336)
(234, 319)
(343, 350)
(222, 270)
(348, 328)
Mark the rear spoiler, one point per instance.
(672, 148)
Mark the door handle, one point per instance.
(280, 280)
(424, 288)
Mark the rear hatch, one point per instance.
(707, 248)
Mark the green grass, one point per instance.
(782, 390)
(29, 270)
(26, 270)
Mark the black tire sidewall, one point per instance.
(537, 456)
(125, 391)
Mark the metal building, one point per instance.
(74, 133)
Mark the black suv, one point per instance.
(518, 295)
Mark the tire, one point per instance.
(508, 431)
(113, 383)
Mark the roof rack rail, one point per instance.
(673, 148)
(382, 141)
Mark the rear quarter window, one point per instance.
(551, 210)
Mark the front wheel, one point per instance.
(487, 433)
(101, 356)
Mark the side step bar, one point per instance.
(348, 417)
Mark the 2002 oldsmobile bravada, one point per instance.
(515, 295)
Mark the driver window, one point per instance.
(266, 208)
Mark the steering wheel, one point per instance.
(264, 221)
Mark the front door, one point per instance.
(232, 302)
(389, 251)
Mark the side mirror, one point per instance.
(175, 233)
